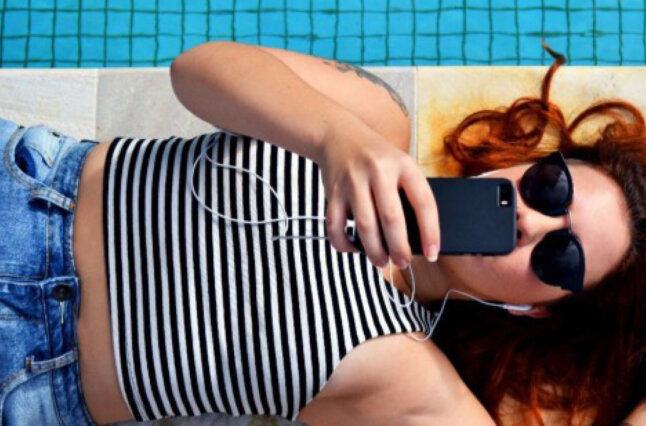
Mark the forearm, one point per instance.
(246, 90)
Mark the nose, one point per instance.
(532, 225)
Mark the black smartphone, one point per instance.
(477, 216)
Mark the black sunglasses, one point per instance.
(558, 258)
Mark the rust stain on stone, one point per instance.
(446, 95)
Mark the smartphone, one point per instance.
(476, 215)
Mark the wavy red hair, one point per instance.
(588, 355)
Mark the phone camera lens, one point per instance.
(504, 195)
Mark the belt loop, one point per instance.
(38, 367)
(52, 195)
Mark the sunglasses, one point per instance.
(558, 258)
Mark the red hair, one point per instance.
(588, 354)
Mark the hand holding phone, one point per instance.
(477, 216)
(361, 173)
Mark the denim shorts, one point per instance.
(39, 287)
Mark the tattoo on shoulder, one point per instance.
(343, 67)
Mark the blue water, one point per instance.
(118, 33)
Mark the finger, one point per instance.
(393, 221)
(365, 219)
(421, 198)
(335, 217)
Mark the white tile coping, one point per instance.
(101, 103)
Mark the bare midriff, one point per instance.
(98, 372)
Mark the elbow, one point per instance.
(178, 68)
(185, 70)
(196, 65)
(176, 72)
(193, 59)
(198, 54)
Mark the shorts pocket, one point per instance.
(31, 154)
(29, 159)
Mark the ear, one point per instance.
(537, 311)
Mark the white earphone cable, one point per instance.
(411, 298)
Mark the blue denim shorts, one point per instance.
(39, 287)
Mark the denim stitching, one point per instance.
(9, 317)
(82, 400)
(68, 223)
(16, 317)
(24, 277)
(46, 319)
(77, 180)
(49, 213)
(59, 361)
(6, 382)
(50, 194)
(77, 367)
(54, 399)
(47, 237)
(48, 337)
(56, 177)
(21, 277)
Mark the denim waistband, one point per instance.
(53, 297)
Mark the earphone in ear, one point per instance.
(523, 308)
(436, 319)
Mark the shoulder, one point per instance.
(395, 377)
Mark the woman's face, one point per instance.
(599, 220)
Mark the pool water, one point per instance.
(136, 33)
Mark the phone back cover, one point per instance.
(471, 218)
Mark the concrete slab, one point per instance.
(140, 102)
(63, 99)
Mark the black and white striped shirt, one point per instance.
(208, 315)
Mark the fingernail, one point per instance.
(432, 253)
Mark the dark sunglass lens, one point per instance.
(557, 260)
(546, 188)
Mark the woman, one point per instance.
(153, 371)
(584, 359)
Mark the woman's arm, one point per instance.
(246, 89)
(395, 380)
(367, 96)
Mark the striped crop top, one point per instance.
(209, 315)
